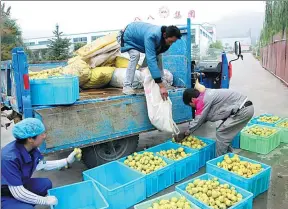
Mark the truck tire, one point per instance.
(103, 153)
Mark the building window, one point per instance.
(193, 31)
(80, 39)
(93, 38)
(30, 43)
(193, 38)
(43, 42)
(201, 32)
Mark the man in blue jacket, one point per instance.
(140, 37)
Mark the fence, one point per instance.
(274, 58)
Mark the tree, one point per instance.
(58, 46)
(216, 45)
(5, 12)
(11, 35)
(276, 21)
(78, 46)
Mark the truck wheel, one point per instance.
(103, 153)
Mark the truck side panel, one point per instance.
(83, 124)
(178, 58)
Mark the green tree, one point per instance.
(276, 21)
(11, 35)
(78, 46)
(59, 47)
(216, 45)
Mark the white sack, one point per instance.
(119, 75)
(102, 58)
(168, 77)
(159, 111)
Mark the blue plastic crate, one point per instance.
(256, 184)
(84, 195)
(159, 179)
(76, 86)
(62, 90)
(121, 186)
(246, 203)
(184, 167)
(148, 204)
(236, 141)
(255, 120)
(206, 153)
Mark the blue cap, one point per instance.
(27, 128)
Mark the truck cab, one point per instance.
(214, 69)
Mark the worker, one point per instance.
(19, 159)
(233, 108)
(140, 37)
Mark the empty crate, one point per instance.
(84, 195)
(62, 90)
(121, 186)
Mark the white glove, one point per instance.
(51, 200)
(71, 157)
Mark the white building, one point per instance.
(42, 42)
(211, 28)
(199, 37)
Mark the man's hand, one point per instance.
(163, 91)
(181, 136)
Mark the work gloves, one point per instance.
(181, 136)
(75, 155)
(51, 200)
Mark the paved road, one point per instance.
(268, 94)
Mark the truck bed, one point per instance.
(103, 93)
(101, 115)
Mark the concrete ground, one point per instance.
(267, 93)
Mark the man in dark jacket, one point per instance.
(140, 37)
(233, 108)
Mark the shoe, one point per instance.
(128, 90)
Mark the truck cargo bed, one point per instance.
(103, 93)
(101, 117)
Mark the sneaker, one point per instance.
(128, 90)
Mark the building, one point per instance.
(42, 42)
(200, 39)
(211, 28)
(245, 42)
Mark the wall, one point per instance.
(274, 58)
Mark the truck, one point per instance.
(103, 122)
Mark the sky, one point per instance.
(38, 18)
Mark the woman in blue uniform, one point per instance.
(19, 159)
